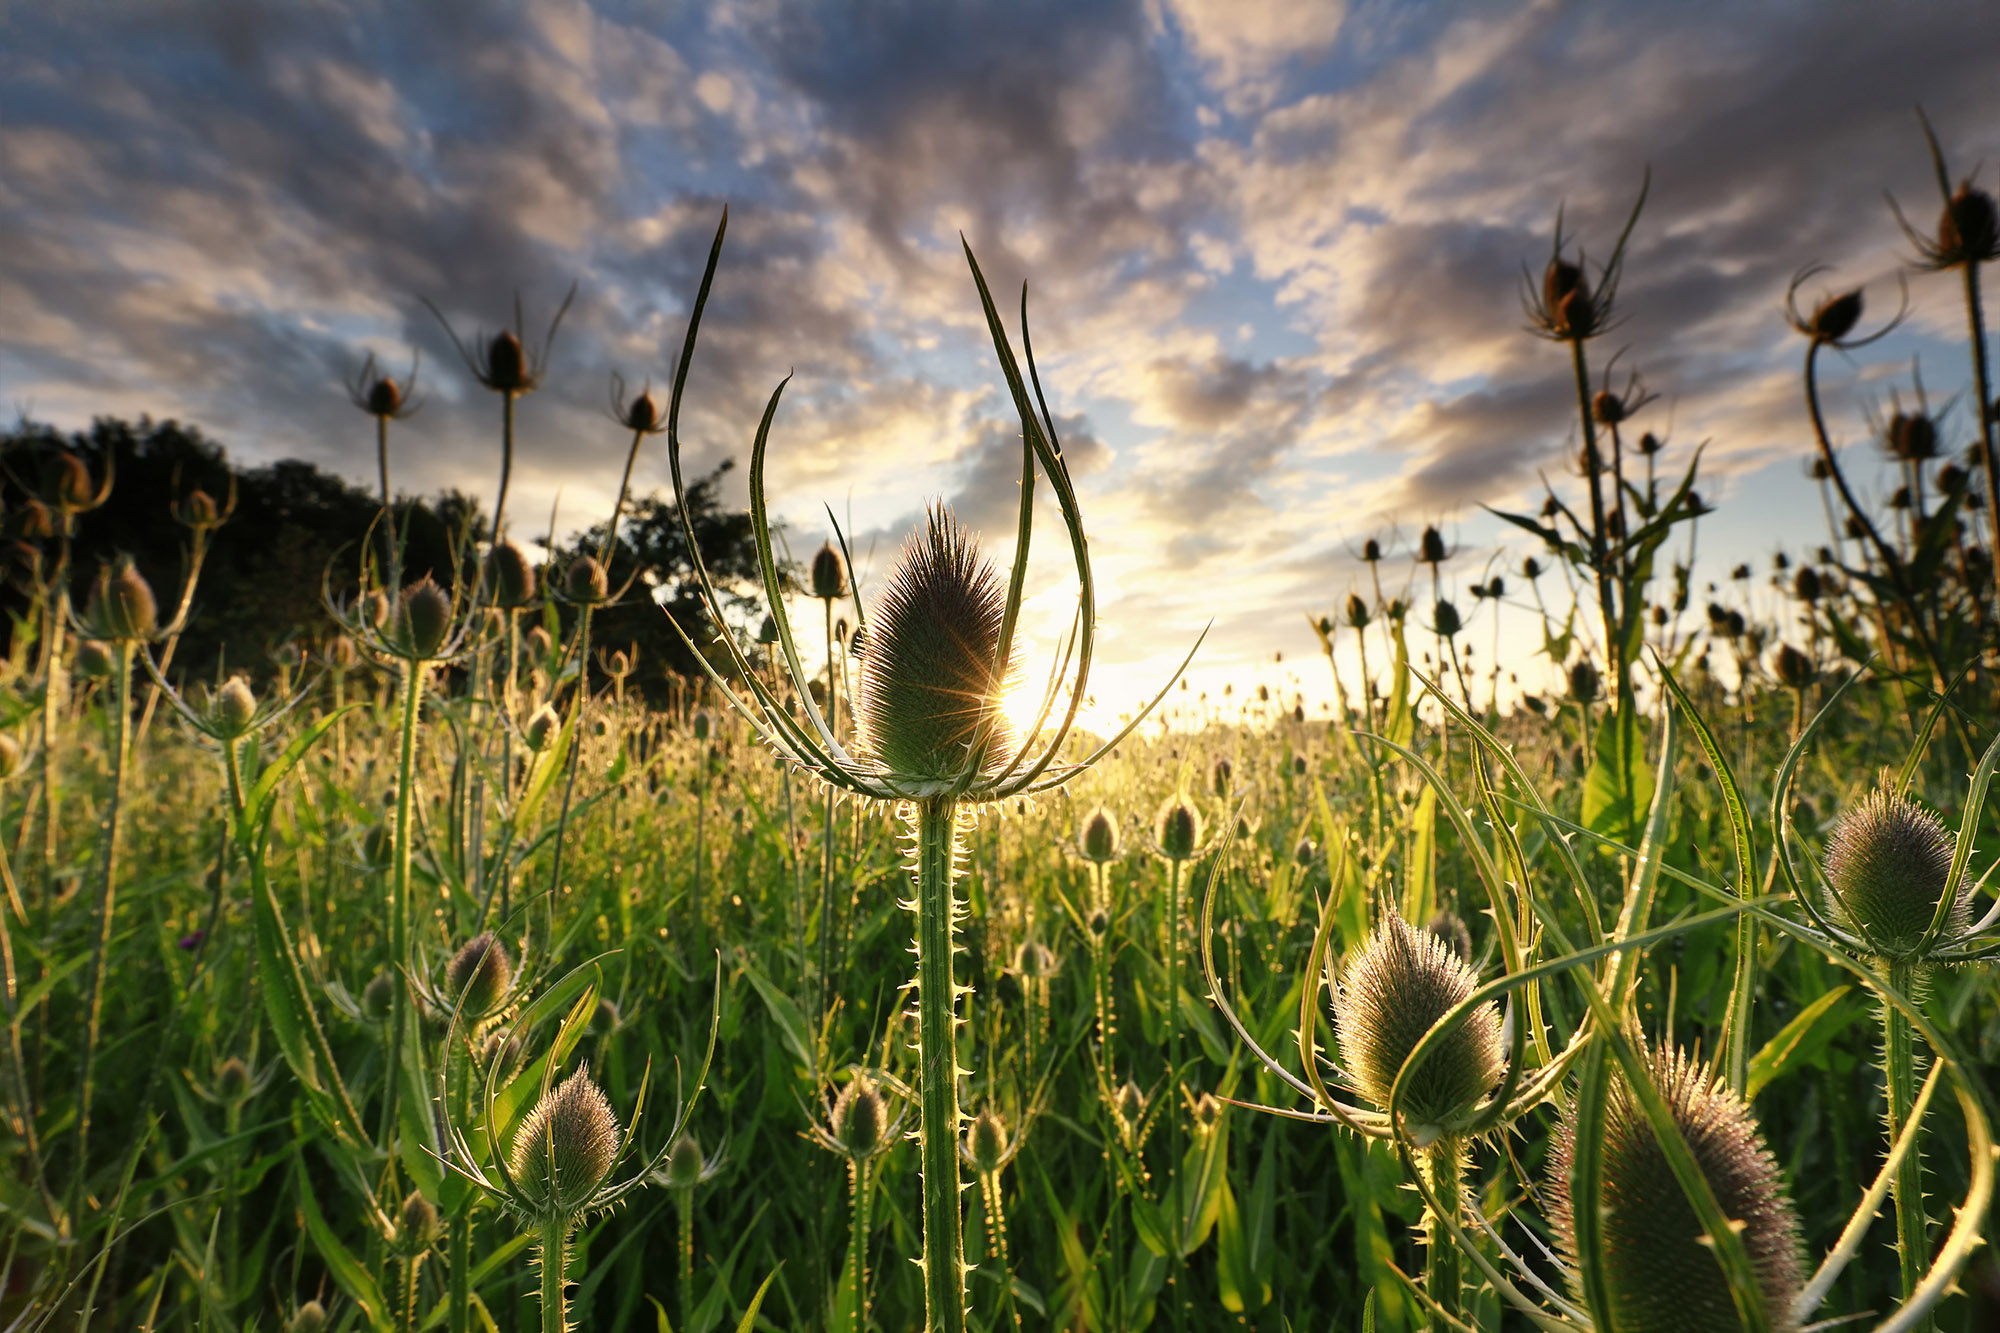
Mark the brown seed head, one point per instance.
(565, 1147)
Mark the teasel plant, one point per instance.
(860, 1128)
(1178, 839)
(685, 1170)
(931, 736)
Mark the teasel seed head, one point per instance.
(1130, 1104)
(860, 1119)
(232, 1081)
(1177, 828)
(1566, 300)
(586, 580)
(1795, 671)
(1099, 836)
(1449, 927)
(829, 574)
(1583, 681)
(1223, 776)
(378, 997)
(541, 729)
(416, 1224)
(94, 660)
(565, 1146)
(1834, 318)
(233, 708)
(1968, 230)
(422, 619)
(1356, 612)
(930, 685)
(1035, 961)
(507, 364)
(986, 1142)
(1660, 1274)
(122, 608)
(702, 724)
(1445, 617)
(1431, 549)
(510, 575)
(1402, 981)
(311, 1318)
(478, 975)
(1888, 861)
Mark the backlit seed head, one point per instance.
(986, 1142)
(69, 483)
(122, 607)
(311, 1318)
(1806, 584)
(1447, 926)
(377, 997)
(1402, 981)
(377, 846)
(1795, 671)
(478, 975)
(685, 1164)
(565, 1146)
(1912, 437)
(1531, 569)
(702, 724)
(94, 660)
(1968, 230)
(1304, 853)
(416, 1224)
(586, 580)
(1835, 317)
(1099, 836)
(422, 619)
(1356, 612)
(1445, 617)
(829, 574)
(506, 364)
(931, 686)
(510, 575)
(860, 1119)
(1566, 300)
(233, 708)
(1660, 1274)
(200, 510)
(1607, 407)
(1888, 861)
(1583, 681)
(1177, 828)
(232, 1081)
(1223, 774)
(385, 398)
(541, 729)
(1430, 549)
(1035, 961)
(1371, 551)
(642, 413)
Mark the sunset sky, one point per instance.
(1275, 253)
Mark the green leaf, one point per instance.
(749, 1320)
(346, 1269)
(787, 1015)
(1401, 725)
(257, 802)
(294, 1021)
(1420, 873)
(1618, 787)
(1800, 1041)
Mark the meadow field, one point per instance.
(431, 978)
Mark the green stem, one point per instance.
(1981, 388)
(506, 460)
(555, 1254)
(860, 1182)
(1899, 1067)
(1594, 470)
(1177, 1263)
(412, 683)
(684, 1205)
(460, 1277)
(936, 819)
(1445, 1163)
(996, 1240)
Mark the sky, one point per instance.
(1275, 254)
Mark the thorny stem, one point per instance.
(382, 455)
(828, 848)
(936, 821)
(1594, 472)
(412, 684)
(554, 1255)
(1899, 1069)
(1177, 1270)
(460, 1278)
(506, 460)
(684, 1205)
(996, 1241)
(860, 1182)
(1445, 1164)
(1976, 324)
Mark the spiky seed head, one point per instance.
(94, 660)
(931, 686)
(1449, 927)
(506, 364)
(510, 575)
(385, 398)
(1446, 619)
(1660, 1274)
(1607, 408)
(416, 1223)
(1099, 836)
(122, 608)
(1430, 549)
(1968, 230)
(232, 1081)
(422, 619)
(986, 1142)
(565, 1146)
(1177, 828)
(1583, 681)
(857, 643)
(685, 1164)
(200, 510)
(70, 486)
(311, 1318)
(233, 708)
(1035, 961)
(619, 664)
(1223, 774)
(1795, 671)
(1566, 301)
(1304, 853)
(586, 580)
(1912, 437)
(1356, 613)
(702, 724)
(1888, 861)
(642, 413)
(1834, 318)
(478, 975)
(829, 574)
(377, 846)
(1402, 981)
(541, 728)
(1806, 584)
(377, 997)
(860, 1120)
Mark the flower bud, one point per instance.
(378, 997)
(685, 1164)
(539, 645)
(586, 580)
(1177, 828)
(200, 510)
(69, 484)
(1659, 1271)
(1130, 1104)
(422, 619)
(565, 1147)
(478, 975)
(311, 1318)
(232, 1081)
(33, 522)
(510, 576)
(233, 709)
(341, 654)
(1887, 865)
(541, 728)
(986, 1143)
(1099, 836)
(1035, 961)
(122, 607)
(10, 756)
(416, 1224)
(829, 574)
(1399, 984)
(860, 1120)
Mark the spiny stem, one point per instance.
(1177, 1263)
(1445, 1163)
(684, 1205)
(996, 1241)
(860, 1183)
(936, 821)
(1899, 1068)
(554, 1255)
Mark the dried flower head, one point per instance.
(122, 608)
